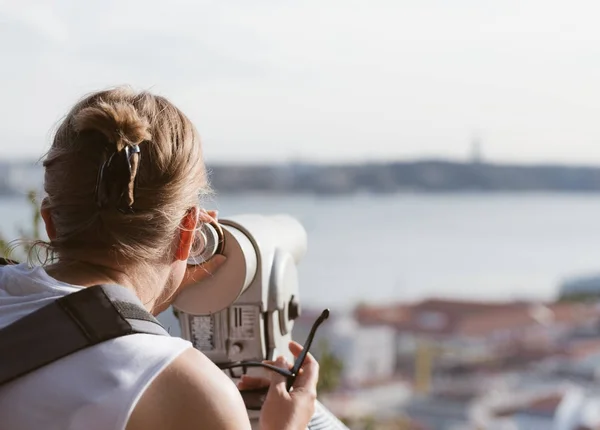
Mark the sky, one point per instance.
(319, 80)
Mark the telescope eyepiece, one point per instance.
(208, 242)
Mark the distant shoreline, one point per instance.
(433, 176)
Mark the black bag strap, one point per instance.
(6, 261)
(69, 324)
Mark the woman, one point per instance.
(123, 179)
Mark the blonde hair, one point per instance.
(86, 190)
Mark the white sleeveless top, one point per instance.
(93, 389)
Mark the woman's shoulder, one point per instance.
(99, 385)
(190, 393)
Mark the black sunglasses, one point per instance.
(254, 398)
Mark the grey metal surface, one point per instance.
(325, 420)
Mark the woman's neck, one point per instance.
(145, 283)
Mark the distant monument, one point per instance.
(476, 150)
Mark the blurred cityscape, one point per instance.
(457, 365)
(427, 175)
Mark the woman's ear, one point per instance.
(47, 217)
(187, 234)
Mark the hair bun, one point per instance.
(119, 122)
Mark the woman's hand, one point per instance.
(285, 410)
(197, 273)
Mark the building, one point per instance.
(536, 413)
(580, 287)
(571, 408)
(450, 335)
(579, 409)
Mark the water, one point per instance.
(375, 248)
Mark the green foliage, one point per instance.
(4, 247)
(27, 236)
(578, 298)
(369, 423)
(330, 369)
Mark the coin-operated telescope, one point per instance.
(244, 313)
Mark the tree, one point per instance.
(330, 369)
(28, 236)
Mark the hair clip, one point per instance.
(116, 179)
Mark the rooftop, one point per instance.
(471, 318)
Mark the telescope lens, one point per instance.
(208, 241)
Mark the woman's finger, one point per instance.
(295, 348)
(309, 375)
(287, 366)
(252, 382)
(208, 216)
(278, 381)
(195, 274)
